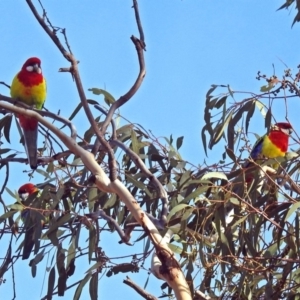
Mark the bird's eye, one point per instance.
(29, 68)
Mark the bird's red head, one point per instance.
(32, 64)
(284, 127)
(279, 135)
(31, 72)
(27, 189)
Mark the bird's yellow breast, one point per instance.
(270, 150)
(34, 95)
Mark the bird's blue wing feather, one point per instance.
(257, 149)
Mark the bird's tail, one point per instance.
(30, 131)
(30, 137)
(28, 243)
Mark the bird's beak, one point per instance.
(36, 68)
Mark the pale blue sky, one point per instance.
(191, 44)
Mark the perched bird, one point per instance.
(271, 145)
(24, 192)
(27, 189)
(252, 180)
(35, 215)
(274, 144)
(29, 86)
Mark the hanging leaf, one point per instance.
(219, 130)
(92, 241)
(286, 4)
(176, 209)
(261, 107)
(179, 142)
(7, 126)
(249, 115)
(268, 119)
(221, 102)
(292, 209)
(93, 288)
(108, 98)
(51, 282)
(208, 97)
(134, 142)
(81, 285)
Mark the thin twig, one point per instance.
(138, 289)
(5, 84)
(126, 97)
(139, 163)
(139, 24)
(140, 47)
(48, 136)
(13, 277)
(101, 213)
(152, 179)
(52, 34)
(100, 135)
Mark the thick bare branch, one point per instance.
(43, 113)
(140, 164)
(170, 269)
(100, 135)
(75, 73)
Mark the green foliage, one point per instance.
(256, 222)
(243, 235)
(220, 219)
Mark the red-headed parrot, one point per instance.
(24, 192)
(271, 145)
(274, 144)
(29, 86)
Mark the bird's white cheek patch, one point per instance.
(286, 131)
(24, 196)
(29, 68)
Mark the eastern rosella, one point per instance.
(271, 145)
(30, 226)
(274, 144)
(29, 86)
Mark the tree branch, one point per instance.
(42, 113)
(101, 213)
(139, 163)
(123, 99)
(52, 34)
(170, 270)
(74, 70)
(138, 289)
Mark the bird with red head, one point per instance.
(29, 86)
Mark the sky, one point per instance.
(191, 44)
